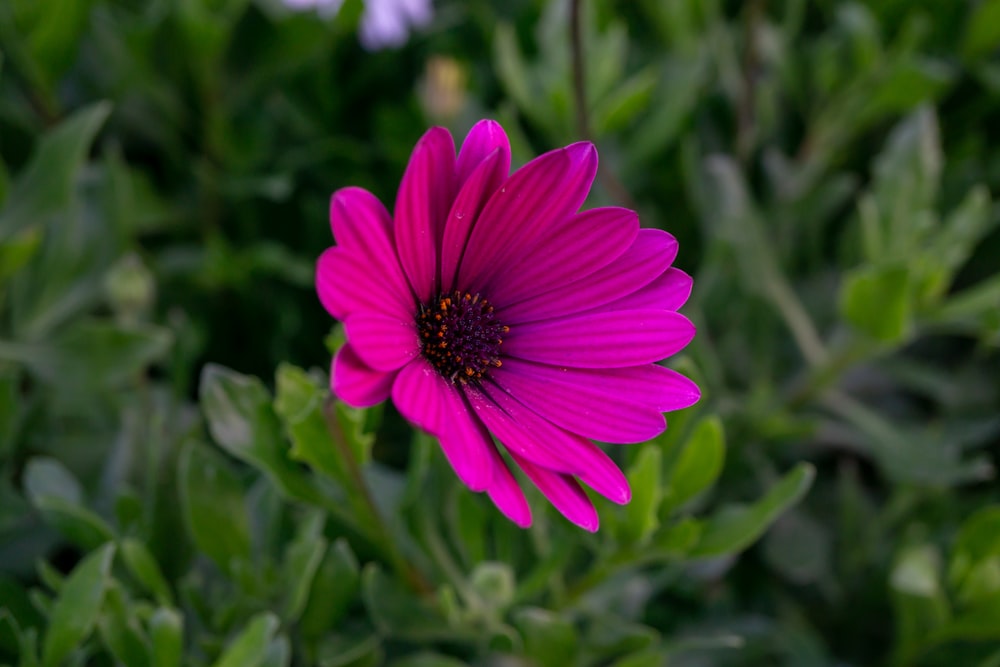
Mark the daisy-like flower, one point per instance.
(488, 307)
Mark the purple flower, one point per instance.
(384, 23)
(488, 306)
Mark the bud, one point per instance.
(130, 287)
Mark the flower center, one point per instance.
(460, 335)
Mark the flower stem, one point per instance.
(377, 528)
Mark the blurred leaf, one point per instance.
(551, 641)
(736, 527)
(799, 548)
(11, 411)
(399, 613)
(46, 185)
(876, 301)
(609, 634)
(92, 352)
(52, 42)
(249, 648)
(427, 660)
(334, 588)
(146, 570)
(976, 550)
(673, 103)
(982, 30)
(15, 252)
(678, 539)
(641, 514)
(979, 622)
(55, 493)
(45, 477)
(241, 419)
(166, 632)
(699, 464)
(921, 607)
(955, 242)
(302, 559)
(650, 657)
(619, 109)
(213, 505)
(120, 631)
(359, 649)
(75, 612)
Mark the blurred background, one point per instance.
(171, 493)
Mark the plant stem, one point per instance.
(583, 130)
(378, 529)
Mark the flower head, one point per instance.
(384, 23)
(488, 306)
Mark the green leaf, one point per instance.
(120, 630)
(549, 640)
(736, 527)
(299, 403)
(75, 611)
(955, 242)
(921, 607)
(640, 516)
(799, 548)
(46, 185)
(399, 613)
(334, 589)
(166, 632)
(302, 560)
(698, 465)
(249, 648)
(146, 570)
(92, 353)
(678, 539)
(45, 477)
(976, 555)
(55, 493)
(241, 419)
(876, 301)
(213, 507)
(17, 251)
(982, 30)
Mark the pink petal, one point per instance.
(581, 402)
(669, 291)
(485, 137)
(506, 493)
(564, 493)
(522, 431)
(385, 343)
(425, 195)
(543, 192)
(647, 258)
(353, 382)
(434, 404)
(488, 175)
(567, 251)
(649, 385)
(525, 433)
(601, 340)
(360, 221)
(346, 283)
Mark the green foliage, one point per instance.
(178, 487)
